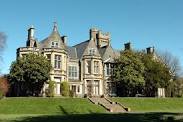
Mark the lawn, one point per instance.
(59, 106)
(152, 104)
(81, 110)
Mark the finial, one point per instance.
(32, 26)
(55, 28)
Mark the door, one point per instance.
(96, 87)
(89, 88)
(57, 85)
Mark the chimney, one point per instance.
(93, 33)
(31, 33)
(150, 50)
(127, 46)
(64, 38)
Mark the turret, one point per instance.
(101, 39)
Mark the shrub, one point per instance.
(71, 93)
(4, 86)
(65, 89)
(50, 90)
(85, 95)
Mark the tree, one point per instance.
(171, 62)
(177, 87)
(4, 86)
(2, 44)
(128, 73)
(28, 75)
(156, 75)
(2, 41)
(50, 90)
(65, 89)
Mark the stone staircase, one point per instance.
(109, 105)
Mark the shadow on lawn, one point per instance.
(106, 117)
(125, 117)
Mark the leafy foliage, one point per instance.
(156, 75)
(176, 87)
(28, 75)
(4, 86)
(65, 89)
(51, 87)
(129, 73)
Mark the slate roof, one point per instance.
(80, 48)
(72, 52)
(54, 36)
(108, 53)
(102, 50)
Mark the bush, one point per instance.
(85, 95)
(50, 90)
(71, 93)
(4, 86)
(65, 89)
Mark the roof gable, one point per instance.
(72, 52)
(91, 46)
(53, 37)
(108, 53)
(80, 48)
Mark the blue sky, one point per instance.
(145, 23)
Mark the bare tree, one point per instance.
(2, 40)
(2, 44)
(172, 62)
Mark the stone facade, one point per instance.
(86, 66)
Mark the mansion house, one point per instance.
(86, 66)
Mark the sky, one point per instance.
(144, 23)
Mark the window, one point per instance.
(78, 89)
(109, 69)
(57, 63)
(91, 51)
(54, 44)
(73, 88)
(73, 72)
(88, 67)
(96, 67)
(48, 57)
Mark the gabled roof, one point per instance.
(91, 45)
(72, 52)
(54, 36)
(102, 50)
(80, 48)
(108, 54)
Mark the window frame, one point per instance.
(57, 61)
(73, 72)
(96, 67)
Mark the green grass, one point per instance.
(152, 104)
(81, 110)
(48, 106)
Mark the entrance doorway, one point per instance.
(93, 88)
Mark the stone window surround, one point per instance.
(73, 72)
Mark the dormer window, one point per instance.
(91, 51)
(54, 44)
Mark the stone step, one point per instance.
(107, 104)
